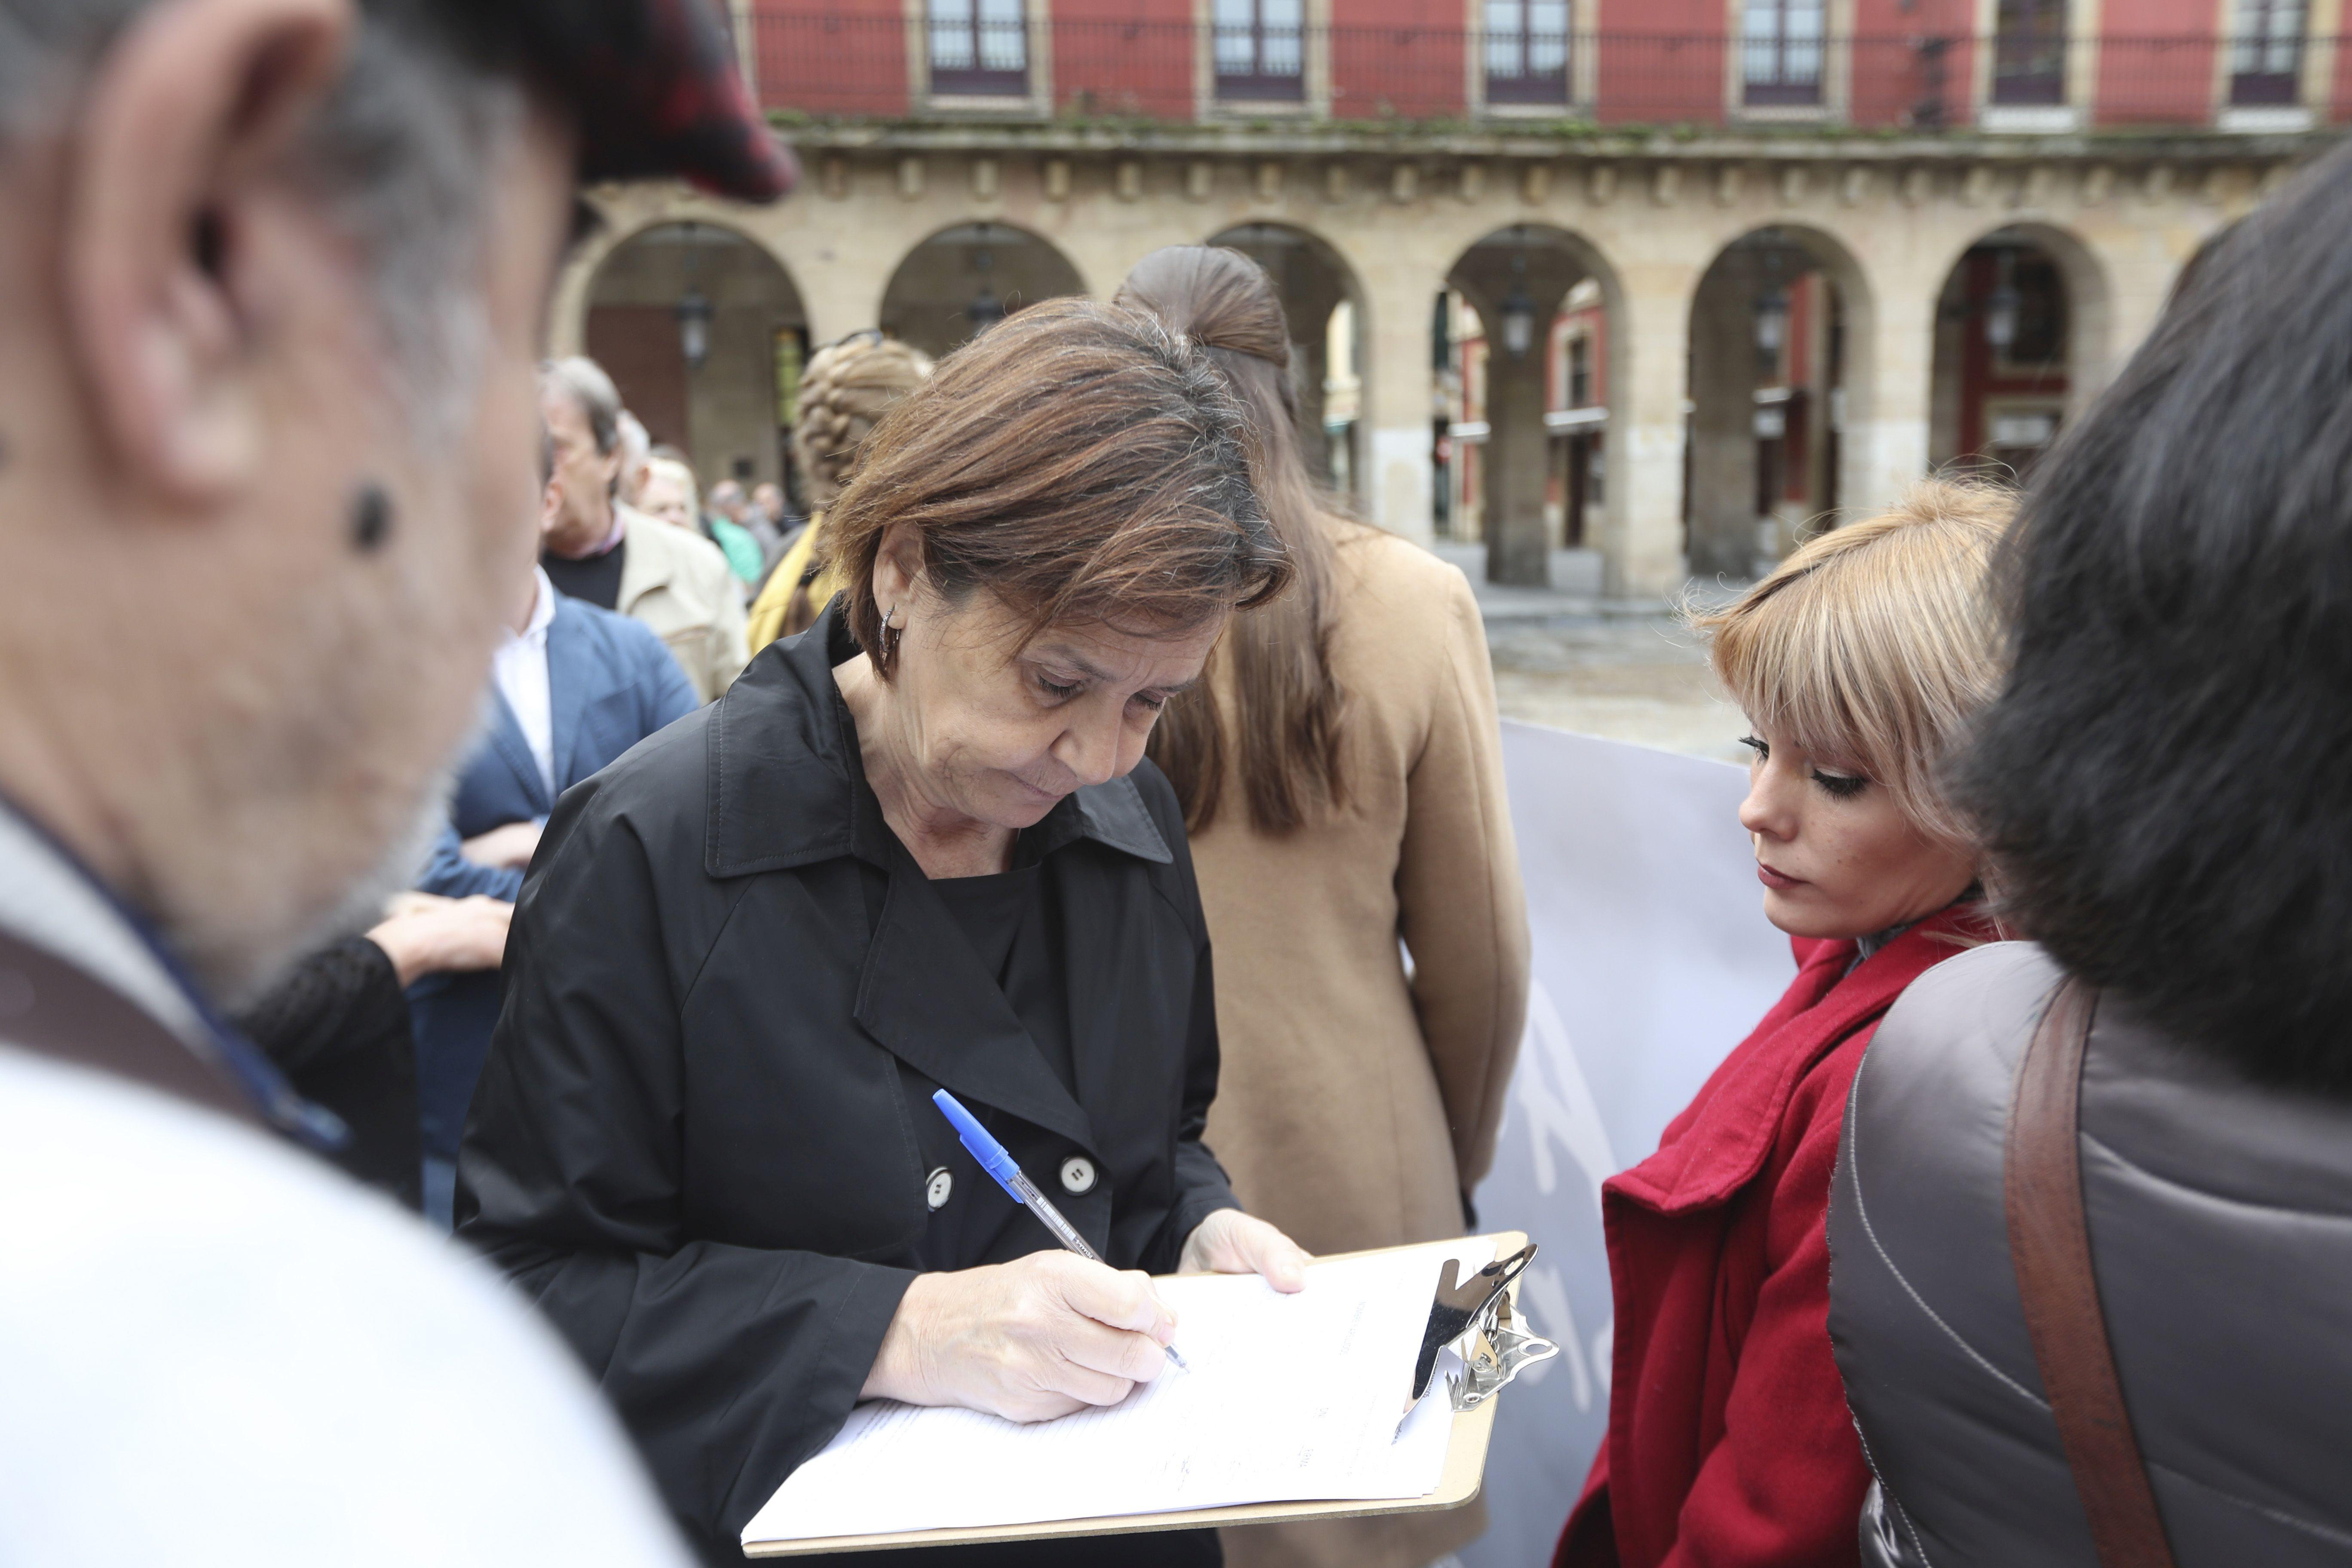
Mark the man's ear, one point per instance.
(185, 110)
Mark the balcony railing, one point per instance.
(855, 60)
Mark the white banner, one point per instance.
(1653, 959)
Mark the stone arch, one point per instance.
(1993, 412)
(1325, 303)
(962, 277)
(638, 293)
(1510, 447)
(1782, 325)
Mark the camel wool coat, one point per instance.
(1357, 1102)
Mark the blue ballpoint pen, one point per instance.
(1000, 1164)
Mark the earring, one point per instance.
(371, 517)
(892, 635)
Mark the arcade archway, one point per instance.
(704, 334)
(967, 277)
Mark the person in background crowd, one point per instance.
(668, 494)
(720, 524)
(671, 578)
(1341, 773)
(848, 388)
(337, 1025)
(2165, 793)
(1860, 662)
(271, 275)
(638, 451)
(765, 517)
(918, 846)
(573, 687)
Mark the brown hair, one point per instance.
(1077, 460)
(1286, 702)
(844, 392)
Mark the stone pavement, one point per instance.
(1628, 670)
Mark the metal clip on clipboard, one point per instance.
(1474, 1316)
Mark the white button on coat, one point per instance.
(1078, 1176)
(939, 1187)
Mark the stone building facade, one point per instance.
(1916, 264)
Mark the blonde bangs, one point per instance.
(1873, 646)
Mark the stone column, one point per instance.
(1890, 380)
(1398, 480)
(1722, 424)
(1641, 532)
(1518, 543)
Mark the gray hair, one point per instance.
(583, 381)
(398, 155)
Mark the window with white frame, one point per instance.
(2029, 51)
(2266, 51)
(1527, 51)
(1780, 52)
(979, 48)
(1260, 50)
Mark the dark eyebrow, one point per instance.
(1087, 668)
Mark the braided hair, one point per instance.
(846, 390)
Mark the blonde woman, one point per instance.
(1859, 663)
(848, 388)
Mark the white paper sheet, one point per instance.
(1289, 1398)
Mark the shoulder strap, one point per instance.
(50, 1008)
(2050, 1247)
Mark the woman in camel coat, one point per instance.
(1342, 778)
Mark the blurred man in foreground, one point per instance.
(271, 278)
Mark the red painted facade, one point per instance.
(1651, 62)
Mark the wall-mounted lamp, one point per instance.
(1771, 324)
(1518, 311)
(986, 310)
(2004, 304)
(694, 326)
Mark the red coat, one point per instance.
(1730, 1444)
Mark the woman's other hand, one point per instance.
(426, 934)
(1230, 1242)
(1029, 1340)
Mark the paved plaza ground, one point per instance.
(1565, 657)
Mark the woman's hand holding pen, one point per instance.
(1230, 1242)
(1030, 1340)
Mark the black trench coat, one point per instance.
(704, 1140)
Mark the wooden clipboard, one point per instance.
(1464, 1474)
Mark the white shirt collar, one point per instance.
(542, 610)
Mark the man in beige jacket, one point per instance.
(598, 548)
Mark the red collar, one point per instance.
(1717, 1145)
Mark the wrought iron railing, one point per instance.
(983, 56)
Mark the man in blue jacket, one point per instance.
(573, 687)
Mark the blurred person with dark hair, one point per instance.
(1860, 662)
(272, 273)
(765, 516)
(1341, 771)
(918, 846)
(337, 1024)
(674, 580)
(2165, 786)
(848, 387)
(572, 688)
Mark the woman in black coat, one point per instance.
(916, 846)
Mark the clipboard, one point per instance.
(1465, 1475)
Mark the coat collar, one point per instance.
(650, 563)
(1719, 1143)
(788, 785)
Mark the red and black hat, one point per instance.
(653, 86)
